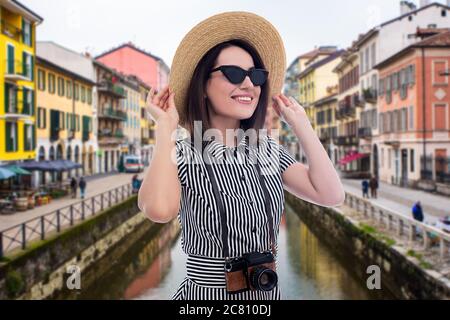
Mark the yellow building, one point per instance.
(147, 125)
(17, 85)
(315, 80)
(65, 120)
(348, 110)
(325, 115)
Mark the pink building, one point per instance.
(131, 60)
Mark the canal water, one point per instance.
(153, 269)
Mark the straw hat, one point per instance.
(257, 31)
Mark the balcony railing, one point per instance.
(11, 30)
(365, 132)
(370, 95)
(17, 70)
(113, 114)
(108, 87)
(18, 109)
(86, 136)
(345, 140)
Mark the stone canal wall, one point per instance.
(400, 275)
(42, 270)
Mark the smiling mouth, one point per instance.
(243, 100)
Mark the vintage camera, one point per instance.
(252, 271)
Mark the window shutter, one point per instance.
(32, 68)
(33, 103)
(25, 106)
(33, 137)
(45, 117)
(8, 135)
(15, 136)
(10, 59)
(7, 86)
(26, 147)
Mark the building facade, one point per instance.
(18, 79)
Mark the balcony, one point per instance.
(86, 136)
(370, 95)
(17, 110)
(107, 87)
(16, 70)
(108, 137)
(365, 132)
(11, 31)
(345, 141)
(54, 134)
(345, 111)
(110, 113)
(356, 101)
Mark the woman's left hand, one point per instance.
(288, 109)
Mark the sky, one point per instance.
(158, 27)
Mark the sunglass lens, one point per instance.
(258, 77)
(234, 75)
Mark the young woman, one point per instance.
(228, 194)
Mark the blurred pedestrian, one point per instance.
(82, 185)
(74, 186)
(365, 188)
(373, 184)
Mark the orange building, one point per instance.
(413, 143)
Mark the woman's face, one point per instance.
(222, 94)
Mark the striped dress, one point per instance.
(243, 198)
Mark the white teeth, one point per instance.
(246, 99)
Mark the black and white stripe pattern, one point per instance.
(243, 197)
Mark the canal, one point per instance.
(153, 268)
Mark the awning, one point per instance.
(6, 174)
(49, 165)
(18, 170)
(352, 156)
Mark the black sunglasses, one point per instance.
(236, 74)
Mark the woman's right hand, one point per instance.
(162, 107)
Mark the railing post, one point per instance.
(83, 213)
(24, 238)
(101, 201)
(123, 194)
(117, 195)
(42, 228)
(441, 248)
(58, 224)
(109, 201)
(93, 205)
(412, 232)
(400, 227)
(71, 215)
(1, 244)
(426, 240)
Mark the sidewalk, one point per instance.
(95, 185)
(402, 199)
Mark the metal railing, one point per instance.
(38, 227)
(407, 228)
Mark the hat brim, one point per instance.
(255, 30)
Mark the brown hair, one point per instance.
(197, 106)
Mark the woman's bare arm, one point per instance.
(159, 195)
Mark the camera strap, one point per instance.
(223, 218)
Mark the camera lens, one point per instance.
(264, 279)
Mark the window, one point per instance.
(29, 137)
(69, 89)
(61, 120)
(76, 93)
(411, 118)
(61, 87)
(443, 13)
(439, 116)
(89, 96)
(42, 118)
(41, 80)
(83, 94)
(361, 63)
(373, 53)
(26, 32)
(389, 158)
(412, 74)
(27, 65)
(411, 160)
(51, 83)
(77, 122)
(11, 136)
(367, 66)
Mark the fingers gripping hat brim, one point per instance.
(255, 30)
